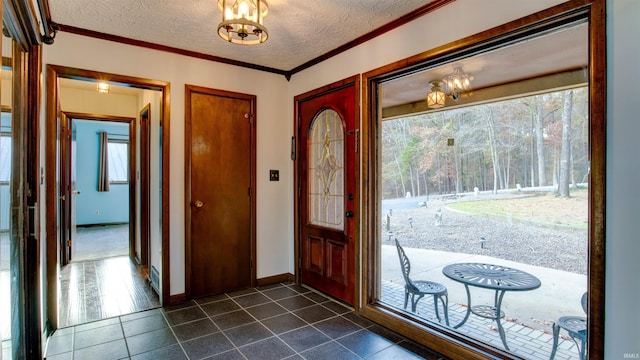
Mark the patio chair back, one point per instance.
(406, 267)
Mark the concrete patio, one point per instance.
(528, 315)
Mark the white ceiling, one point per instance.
(302, 30)
(299, 30)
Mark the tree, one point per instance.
(539, 131)
(565, 154)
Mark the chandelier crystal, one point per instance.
(242, 21)
(457, 82)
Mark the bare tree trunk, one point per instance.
(413, 185)
(404, 189)
(565, 152)
(533, 160)
(542, 174)
(493, 144)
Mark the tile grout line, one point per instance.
(220, 330)
(164, 316)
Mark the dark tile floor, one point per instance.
(283, 321)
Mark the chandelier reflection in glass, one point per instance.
(242, 21)
(457, 82)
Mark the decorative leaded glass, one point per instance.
(326, 171)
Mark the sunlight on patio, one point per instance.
(528, 315)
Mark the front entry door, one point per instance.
(220, 139)
(327, 188)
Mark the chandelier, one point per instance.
(457, 82)
(435, 98)
(242, 21)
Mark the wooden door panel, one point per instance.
(337, 262)
(327, 182)
(221, 235)
(314, 256)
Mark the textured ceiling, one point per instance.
(299, 30)
(303, 30)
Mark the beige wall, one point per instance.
(274, 228)
(92, 102)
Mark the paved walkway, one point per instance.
(529, 315)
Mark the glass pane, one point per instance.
(118, 160)
(5, 157)
(5, 234)
(326, 171)
(6, 260)
(491, 194)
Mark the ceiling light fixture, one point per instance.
(103, 87)
(435, 98)
(457, 82)
(242, 21)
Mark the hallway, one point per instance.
(283, 321)
(99, 289)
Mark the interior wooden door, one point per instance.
(327, 179)
(145, 184)
(220, 140)
(66, 195)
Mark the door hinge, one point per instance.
(249, 191)
(32, 220)
(69, 243)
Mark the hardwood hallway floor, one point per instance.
(99, 289)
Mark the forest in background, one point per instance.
(533, 141)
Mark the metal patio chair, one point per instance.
(576, 326)
(419, 288)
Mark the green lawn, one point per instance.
(544, 209)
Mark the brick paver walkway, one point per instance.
(523, 341)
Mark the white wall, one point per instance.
(154, 99)
(274, 228)
(622, 289)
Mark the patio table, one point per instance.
(494, 277)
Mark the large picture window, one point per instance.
(481, 226)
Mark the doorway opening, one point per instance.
(101, 219)
(103, 268)
(99, 213)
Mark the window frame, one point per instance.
(126, 166)
(447, 342)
